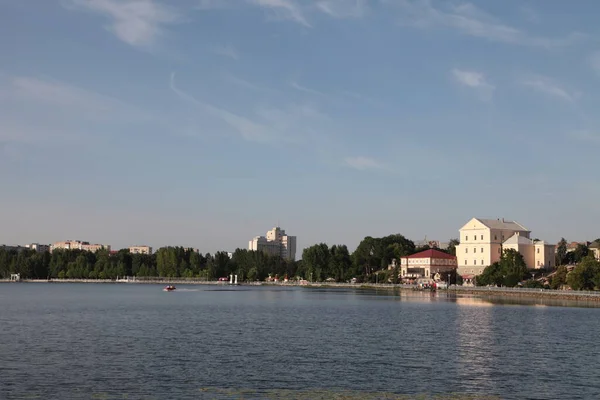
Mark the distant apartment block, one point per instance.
(482, 242)
(140, 250)
(40, 248)
(79, 245)
(276, 243)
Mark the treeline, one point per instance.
(319, 263)
(172, 262)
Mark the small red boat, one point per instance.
(169, 288)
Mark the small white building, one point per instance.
(140, 249)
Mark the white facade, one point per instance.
(276, 243)
(140, 250)
(40, 248)
(482, 242)
(78, 245)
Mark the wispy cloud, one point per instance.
(362, 163)
(585, 136)
(283, 9)
(595, 61)
(138, 23)
(213, 4)
(227, 51)
(246, 84)
(530, 14)
(475, 80)
(305, 89)
(248, 129)
(472, 21)
(343, 8)
(551, 88)
(69, 98)
(34, 111)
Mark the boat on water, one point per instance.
(169, 288)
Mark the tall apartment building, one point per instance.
(140, 250)
(78, 245)
(275, 243)
(482, 242)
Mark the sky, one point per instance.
(205, 123)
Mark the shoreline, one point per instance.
(465, 290)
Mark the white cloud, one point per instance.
(362, 163)
(595, 61)
(475, 80)
(213, 4)
(136, 22)
(343, 8)
(304, 89)
(248, 129)
(470, 20)
(227, 51)
(34, 110)
(586, 136)
(283, 9)
(551, 88)
(70, 99)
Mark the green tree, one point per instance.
(559, 278)
(586, 275)
(561, 252)
(509, 271)
(451, 249)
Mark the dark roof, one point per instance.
(432, 253)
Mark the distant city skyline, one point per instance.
(201, 123)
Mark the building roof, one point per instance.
(518, 239)
(502, 224)
(595, 245)
(432, 253)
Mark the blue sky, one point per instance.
(205, 122)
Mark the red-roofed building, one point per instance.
(426, 263)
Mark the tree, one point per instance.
(316, 262)
(559, 278)
(561, 252)
(586, 275)
(580, 252)
(509, 271)
(451, 249)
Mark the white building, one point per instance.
(276, 243)
(78, 245)
(40, 248)
(140, 250)
(482, 242)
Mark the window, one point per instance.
(466, 238)
(465, 262)
(466, 249)
(474, 237)
(495, 237)
(474, 249)
(474, 262)
(499, 250)
(538, 250)
(481, 237)
(481, 262)
(482, 249)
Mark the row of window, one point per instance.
(474, 262)
(474, 249)
(475, 237)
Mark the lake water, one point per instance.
(116, 341)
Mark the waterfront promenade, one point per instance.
(462, 290)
